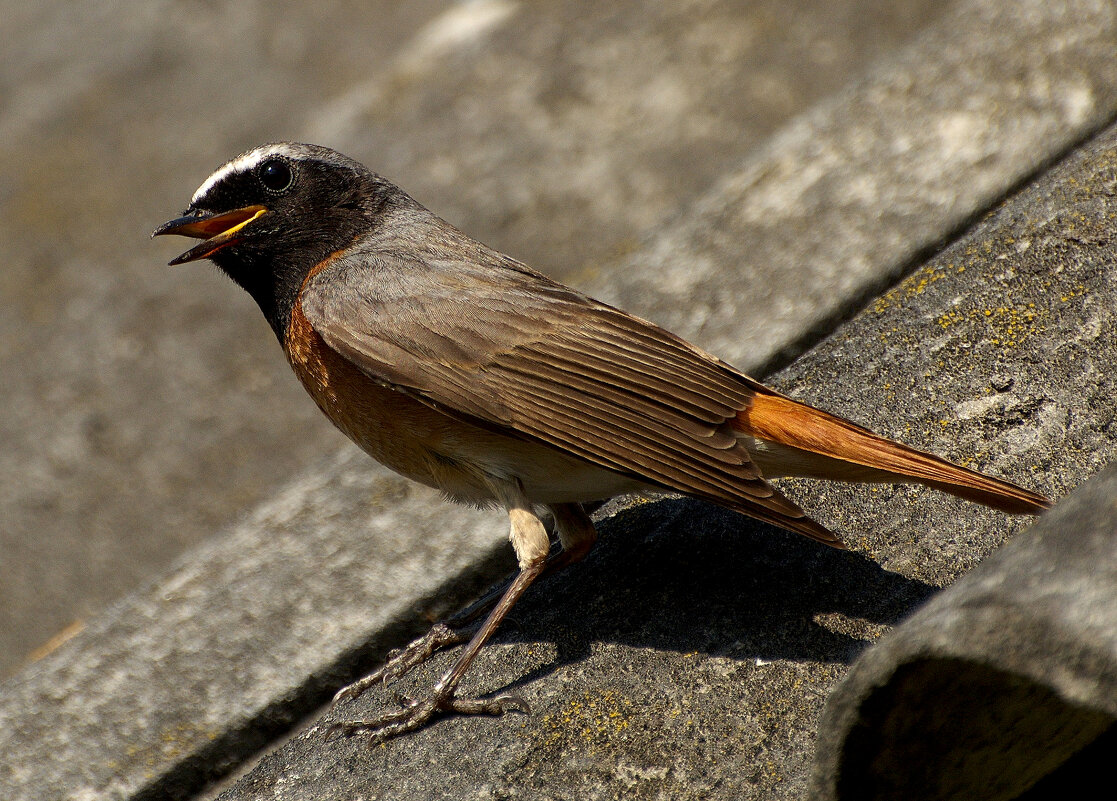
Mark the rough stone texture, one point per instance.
(562, 132)
(997, 682)
(146, 408)
(687, 659)
(240, 640)
(690, 656)
(179, 700)
(812, 224)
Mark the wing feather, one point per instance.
(485, 338)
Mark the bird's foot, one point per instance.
(402, 660)
(416, 713)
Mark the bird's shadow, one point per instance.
(685, 576)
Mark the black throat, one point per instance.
(274, 283)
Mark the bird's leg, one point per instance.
(576, 535)
(576, 532)
(454, 630)
(576, 538)
(529, 539)
(401, 660)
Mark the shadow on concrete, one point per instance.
(681, 575)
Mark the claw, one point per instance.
(342, 728)
(487, 706)
(415, 713)
(402, 660)
(515, 703)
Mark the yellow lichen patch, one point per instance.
(914, 285)
(596, 717)
(952, 317)
(1009, 325)
(918, 283)
(1078, 291)
(1012, 325)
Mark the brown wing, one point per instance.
(487, 339)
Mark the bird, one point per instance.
(468, 371)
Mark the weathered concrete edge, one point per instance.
(858, 190)
(1040, 609)
(52, 687)
(994, 353)
(244, 636)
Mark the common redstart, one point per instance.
(465, 370)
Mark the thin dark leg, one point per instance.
(577, 536)
(418, 712)
(454, 630)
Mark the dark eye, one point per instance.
(275, 175)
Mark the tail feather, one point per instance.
(781, 511)
(796, 439)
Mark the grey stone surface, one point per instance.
(146, 408)
(690, 656)
(241, 638)
(158, 713)
(847, 196)
(996, 683)
(683, 660)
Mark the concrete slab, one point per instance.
(146, 407)
(186, 710)
(1003, 686)
(242, 638)
(849, 196)
(690, 657)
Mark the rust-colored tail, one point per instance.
(799, 440)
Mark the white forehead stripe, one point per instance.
(242, 163)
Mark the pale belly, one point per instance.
(457, 458)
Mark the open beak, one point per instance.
(218, 230)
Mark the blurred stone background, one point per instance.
(908, 206)
(146, 408)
